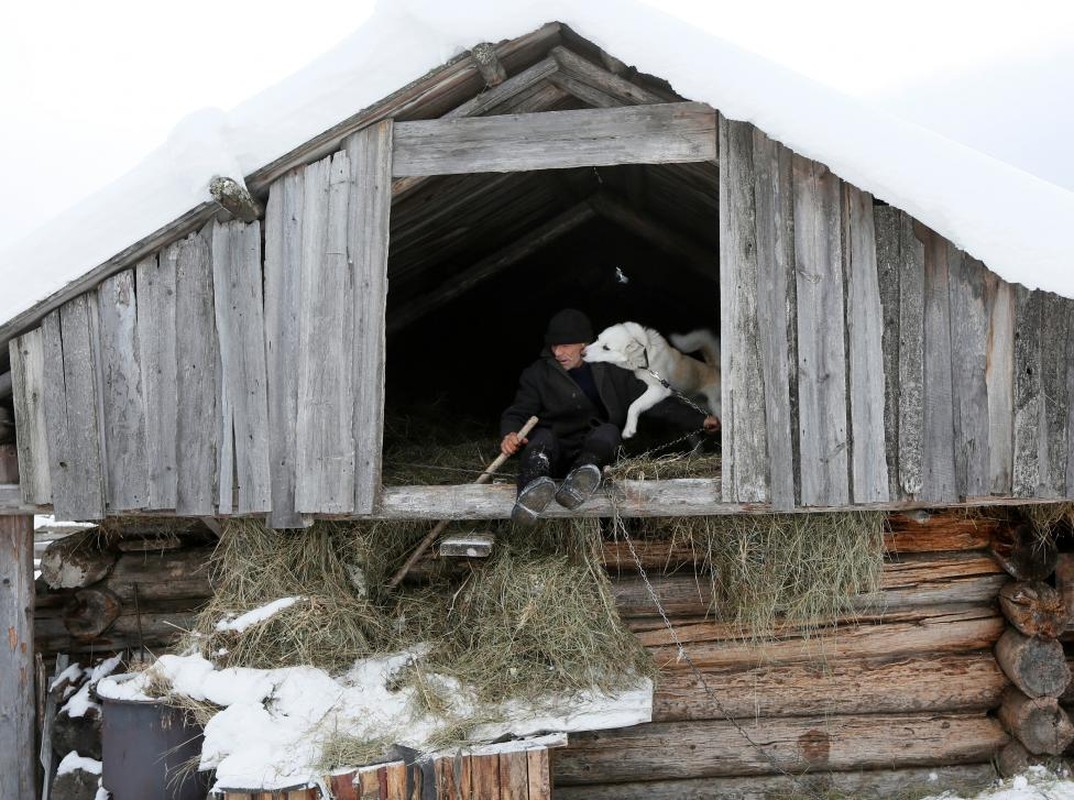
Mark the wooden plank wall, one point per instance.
(819, 288)
(832, 704)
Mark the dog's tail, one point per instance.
(702, 340)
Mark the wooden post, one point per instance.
(17, 650)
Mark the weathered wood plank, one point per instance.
(650, 134)
(124, 404)
(882, 685)
(539, 777)
(772, 192)
(198, 426)
(28, 371)
(1070, 401)
(71, 413)
(822, 399)
(324, 454)
(711, 749)
(514, 775)
(371, 157)
(999, 382)
(1055, 335)
(878, 784)
(969, 365)
(887, 222)
(155, 283)
(283, 270)
(240, 324)
(938, 456)
(869, 469)
(911, 356)
(17, 729)
(1028, 404)
(727, 277)
(620, 90)
(743, 370)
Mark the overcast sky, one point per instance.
(88, 89)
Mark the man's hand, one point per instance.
(711, 424)
(511, 442)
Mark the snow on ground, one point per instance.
(1013, 221)
(1037, 783)
(274, 724)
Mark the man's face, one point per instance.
(569, 356)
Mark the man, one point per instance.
(582, 409)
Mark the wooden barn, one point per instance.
(242, 360)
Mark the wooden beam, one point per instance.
(702, 260)
(652, 134)
(600, 82)
(17, 762)
(483, 270)
(233, 197)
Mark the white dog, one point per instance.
(649, 356)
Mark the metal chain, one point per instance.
(682, 655)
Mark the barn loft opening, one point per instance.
(478, 263)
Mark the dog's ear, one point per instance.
(634, 350)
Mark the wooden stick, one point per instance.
(439, 527)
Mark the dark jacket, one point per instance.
(546, 390)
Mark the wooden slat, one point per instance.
(700, 749)
(124, 403)
(1027, 392)
(869, 469)
(651, 134)
(485, 777)
(619, 90)
(396, 781)
(1070, 401)
(911, 357)
(283, 271)
(774, 261)
(538, 775)
(999, 382)
(197, 424)
(742, 373)
(71, 413)
(514, 775)
(240, 323)
(969, 365)
(822, 401)
(370, 153)
(938, 456)
(324, 450)
(1055, 335)
(155, 283)
(727, 274)
(887, 222)
(28, 372)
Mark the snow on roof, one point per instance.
(1013, 221)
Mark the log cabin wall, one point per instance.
(866, 359)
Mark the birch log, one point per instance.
(1036, 666)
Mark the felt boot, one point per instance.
(532, 500)
(579, 486)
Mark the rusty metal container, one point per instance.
(147, 749)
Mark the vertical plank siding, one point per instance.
(999, 382)
(155, 289)
(121, 390)
(1055, 397)
(283, 263)
(239, 308)
(1027, 391)
(370, 154)
(938, 451)
(28, 372)
(887, 225)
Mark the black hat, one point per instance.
(569, 326)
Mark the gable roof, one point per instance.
(1011, 220)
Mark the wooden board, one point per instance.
(1028, 403)
(1070, 400)
(71, 413)
(371, 158)
(240, 324)
(727, 275)
(649, 134)
(155, 285)
(999, 382)
(938, 450)
(711, 749)
(124, 421)
(28, 374)
(866, 384)
(742, 371)
(969, 366)
(822, 397)
(911, 357)
(324, 451)
(1054, 453)
(197, 428)
(887, 222)
(284, 213)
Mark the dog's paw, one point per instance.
(629, 431)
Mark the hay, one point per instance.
(420, 449)
(1046, 517)
(770, 570)
(666, 467)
